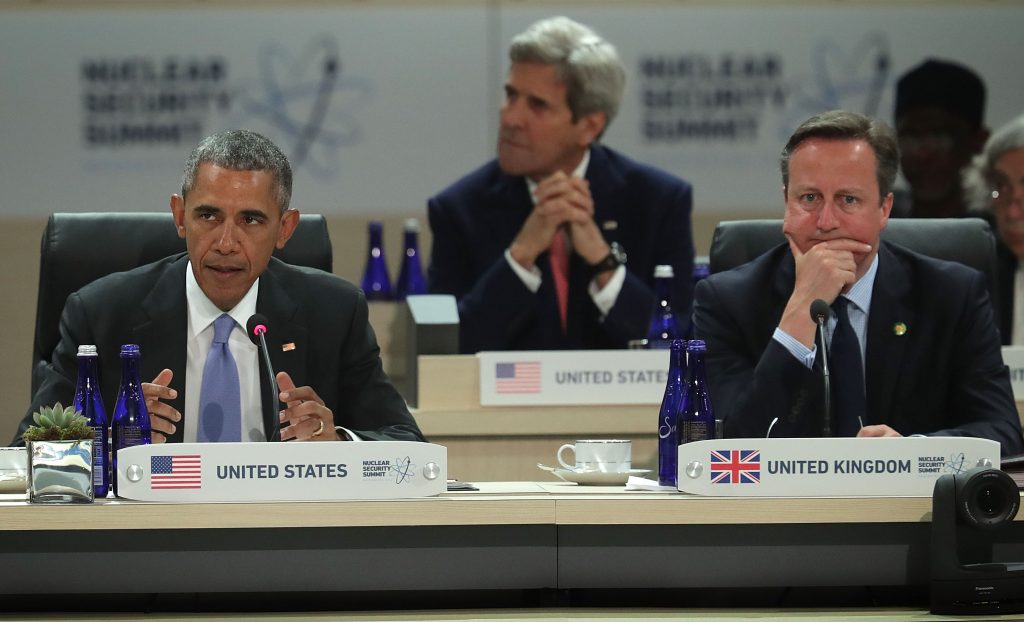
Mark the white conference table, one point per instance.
(540, 538)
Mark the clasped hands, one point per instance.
(305, 414)
(561, 202)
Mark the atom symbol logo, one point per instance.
(955, 464)
(403, 469)
(307, 101)
(853, 80)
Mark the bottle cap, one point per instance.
(663, 272)
(130, 349)
(87, 350)
(412, 225)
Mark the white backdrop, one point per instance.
(380, 107)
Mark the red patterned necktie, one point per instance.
(559, 254)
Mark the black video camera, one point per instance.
(966, 509)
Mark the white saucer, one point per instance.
(593, 478)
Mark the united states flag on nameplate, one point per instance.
(736, 466)
(523, 377)
(175, 472)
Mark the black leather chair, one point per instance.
(79, 248)
(966, 240)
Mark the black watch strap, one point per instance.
(615, 258)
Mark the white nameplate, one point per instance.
(828, 467)
(1013, 356)
(573, 377)
(281, 471)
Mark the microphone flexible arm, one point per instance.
(820, 312)
(257, 328)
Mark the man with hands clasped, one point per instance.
(533, 244)
(925, 353)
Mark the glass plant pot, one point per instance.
(60, 472)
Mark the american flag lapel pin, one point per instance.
(288, 347)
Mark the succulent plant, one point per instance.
(57, 423)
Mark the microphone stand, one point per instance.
(826, 426)
(256, 327)
(272, 389)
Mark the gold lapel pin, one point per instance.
(288, 347)
(899, 329)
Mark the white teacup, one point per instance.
(604, 456)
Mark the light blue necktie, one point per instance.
(220, 402)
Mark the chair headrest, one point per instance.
(82, 247)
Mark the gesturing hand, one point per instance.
(307, 417)
(162, 416)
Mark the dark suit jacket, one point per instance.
(335, 351)
(645, 210)
(944, 376)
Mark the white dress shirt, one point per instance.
(201, 314)
(1018, 306)
(604, 299)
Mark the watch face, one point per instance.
(618, 253)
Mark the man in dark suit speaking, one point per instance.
(534, 244)
(184, 310)
(924, 355)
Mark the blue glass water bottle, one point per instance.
(376, 284)
(410, 275)
(89, 402)
(664, 327)
(130, 424)
(696, 416)
(668, 441)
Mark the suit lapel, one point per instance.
(287, 338)
(890, 308)
(161, 333)
(607, 187)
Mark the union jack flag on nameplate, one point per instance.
(736, 466)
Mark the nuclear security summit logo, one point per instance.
(401, 470)
(299, 96)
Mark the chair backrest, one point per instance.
(965, 240)
(80, 248)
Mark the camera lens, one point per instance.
(987, 498)
(990, 501)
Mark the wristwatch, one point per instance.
(616, 257)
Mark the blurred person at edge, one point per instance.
(995, 186)
(940, 122)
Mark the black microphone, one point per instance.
(820, 312)
(256, 328)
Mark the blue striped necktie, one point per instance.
(220, 402)
(847, 370)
